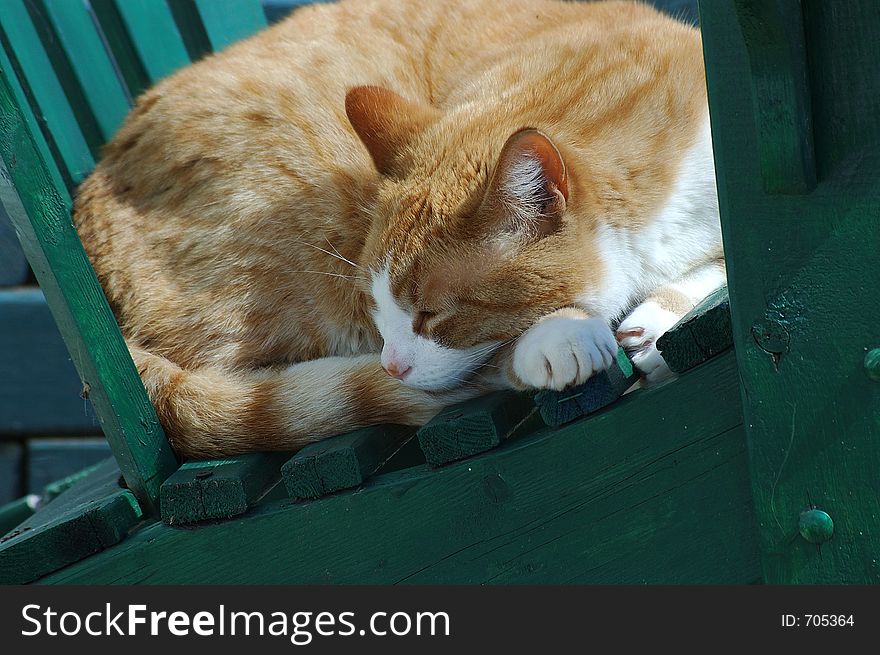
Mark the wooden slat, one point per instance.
(29, 120)
(34, 71)
(54, 489)
(804, 282)
(227, 21)
(13, 265)
(40, 390)
(53, 459)
(94, 514)
(342, 462)
(38, 203)
(16, 512)
(773, 34)
(219, 489)
(211, 25)
(144, 39)
(619, 497)
(11, 471)
(409, 456)
(276, 10)
(474, 426)
(83, 66)
(702, 333)
(559, 407)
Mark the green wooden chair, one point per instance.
(757, 464)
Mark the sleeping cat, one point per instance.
(377, 208)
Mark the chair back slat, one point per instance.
(84, 67)
(44, 92)
(227, 21)
(30, 123)
(144, 40)
(210, 26)
(62, 95)
(35, 196)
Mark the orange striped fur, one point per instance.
(240, 216)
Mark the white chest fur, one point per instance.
(685, 231)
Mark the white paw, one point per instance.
(651, 365)
(638, 334)
(560, 351)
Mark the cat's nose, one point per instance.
(398, 371)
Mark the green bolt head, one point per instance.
(816, 526)
(872, 364)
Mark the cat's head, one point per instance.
(472, 240)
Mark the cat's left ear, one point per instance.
(385, 122)
(530, 184)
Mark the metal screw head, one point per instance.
(816, 526)
(771, 336)
(872, 364)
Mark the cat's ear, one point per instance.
(529, 186)
(385, 122)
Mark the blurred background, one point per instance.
(47, 427)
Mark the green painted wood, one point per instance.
(13, 265)
(618, 497)
(11, 471)
(843, 81)
(803, 277)
(16, 512)
(212, 25)
(34, 196)
(773, 34)
(92, 515)
(143, 38)
(219, 489)
(52, 459)
(277, 10)
(58, 487)
(28, 118)
(228, 21)
(84, 68)
(20, 509)
(27, 60)
(682, 10)
(559, 407)
(474, 426)
(701, 334)
(40, 391)
(409, 455)
(342, 462)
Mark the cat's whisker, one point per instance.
(347, 277)
(210, 204)
(485, 350)
(343, 258)
(335, 255)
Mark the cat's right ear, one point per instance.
(385, 122)
(529, 188)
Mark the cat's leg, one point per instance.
(563, 348)
(639, 331)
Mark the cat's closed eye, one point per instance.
(421, 321)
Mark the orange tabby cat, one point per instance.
(379, 207)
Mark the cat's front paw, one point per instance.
(560, 351)
(638, 334)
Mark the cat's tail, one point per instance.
(214, 412)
